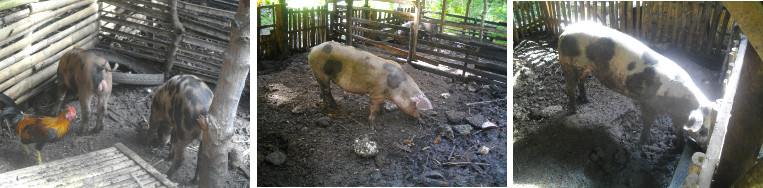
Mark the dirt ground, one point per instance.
(126, 122)
(599, 146)
(298, 145)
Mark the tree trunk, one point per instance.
(213, 156)
(179, 30)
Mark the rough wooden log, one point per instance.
(88, 13)
(23, 24)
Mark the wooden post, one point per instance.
(414, 32)
(442, 27)
(334, 22)
(469, 2)
(178, 31)
(348, 27)
(213, 152)
(484, 11)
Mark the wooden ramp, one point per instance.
(116, 166)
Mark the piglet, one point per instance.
(626, 66)
(361, 72)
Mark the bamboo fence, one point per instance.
(476, 58)
(151, 30)
(701, 28)
(34, 36)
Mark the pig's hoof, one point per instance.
(583, 100)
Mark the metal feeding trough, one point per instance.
(116, 166)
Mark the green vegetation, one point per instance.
(496, 9)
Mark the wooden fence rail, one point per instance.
(144, 29)
(480, 60)
(700, 28)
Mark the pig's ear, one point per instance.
(422, 103)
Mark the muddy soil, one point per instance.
(298, 145)
(599, 146)
(126, 122)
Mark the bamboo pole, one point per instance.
(7, 4)
(23, 24)
(26, 41)
(16, 16)
(26, 63)
(37, 90)
(44, 42)
(682, 25)
(647, 20)
(48, 5)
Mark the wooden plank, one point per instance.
(348, 24)
(749, 22)
(734, 145)
(645, 22)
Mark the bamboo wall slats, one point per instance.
(700, 28)
(144, 29)
(366, 24)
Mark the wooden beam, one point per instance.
(734, 144)
(749, 15)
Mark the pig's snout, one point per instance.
(422, 103)
(699, 125)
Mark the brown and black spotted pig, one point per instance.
(175, 108)
(361, 72)
(628, 67)
(87, 74)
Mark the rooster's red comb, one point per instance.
(72, 111)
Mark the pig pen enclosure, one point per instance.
(599, 146)
(461, 68)
(140, 36)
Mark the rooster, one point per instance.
(34, 128)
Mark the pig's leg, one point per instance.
(375, 106)
(60, 96)
(583, 98)
(177, 158)
(102, 107)
(325, 84)
(198, 157)
(648, 119)
(84, 103)
(571, 78)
